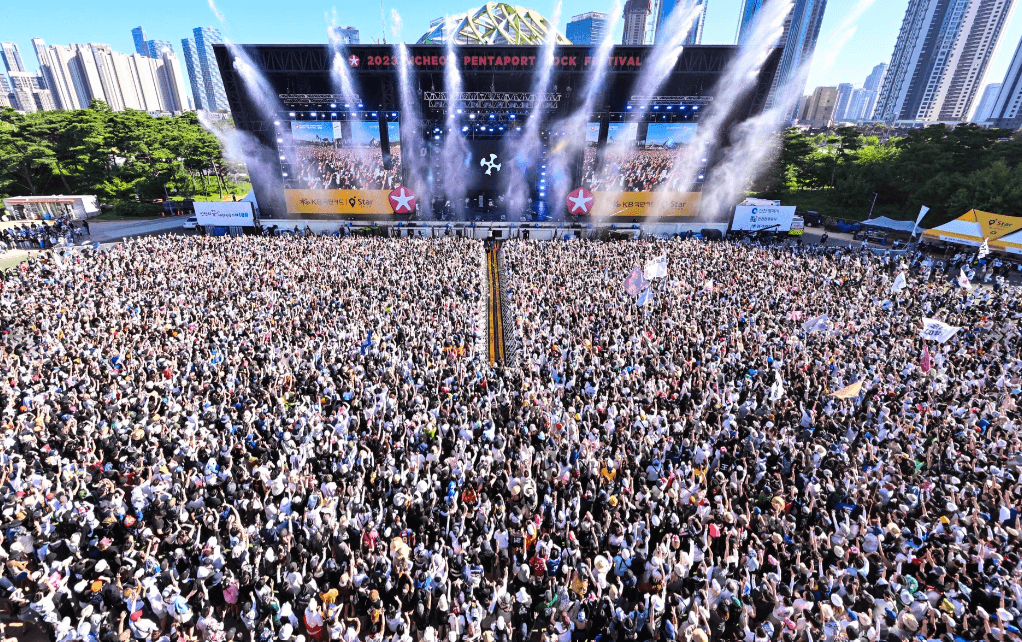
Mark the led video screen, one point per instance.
(631, 174)
(339, 168)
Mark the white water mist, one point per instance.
(454, 156)
(411, 119)
(341, 78)
(261, 160)
(754, 146)
(566, 150)
(528, 147)
(738, 79)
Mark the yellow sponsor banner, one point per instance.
(662, 204)
(995, 226)
(337, 201)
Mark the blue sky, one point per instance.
(856, 34)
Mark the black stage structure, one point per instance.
(496, 81)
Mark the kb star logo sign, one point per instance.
(353, 60)
(580, 201)
(402, 200)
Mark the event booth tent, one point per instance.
(885, 223)
(1001, 232)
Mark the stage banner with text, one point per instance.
(340, 202)
(635, 204)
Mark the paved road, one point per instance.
(104, 231)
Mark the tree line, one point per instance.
(949, 170)
(121, 157)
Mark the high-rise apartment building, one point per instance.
(747, 19)
(46, 70)
(344, 35)
(860, 103)
(939, 59)
(844, 97)
(11, 56)
(5, 92)
(29, 92)
(875, 77)
(215, 98)
(68, 75)
(71, 77)
(138, 37)
(636, 14)
(985, 106)
(155, 47)
(695, 32)
(798, 39)
(818, 111)
(172, 83)
(194, 69)
(1006, 110)
(587, 28)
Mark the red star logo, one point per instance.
(353, 60)
(402, 200)
(580, 201)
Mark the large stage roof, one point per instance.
(300, 77)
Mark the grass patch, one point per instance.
(12, 258)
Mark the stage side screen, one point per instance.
(628, 177)
(338, 168)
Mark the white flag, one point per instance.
(815, 324)
(656, 268)
(938, 331)
(708, 285)
(922, 212)
(984, 249)
(899, 283)
(777, 389)
(963, 280)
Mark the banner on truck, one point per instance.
(225, 214)
(752, 218)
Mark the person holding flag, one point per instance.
(963, 280)
(899, 283)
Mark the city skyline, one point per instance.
(847, 51)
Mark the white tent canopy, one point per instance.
(886, 223)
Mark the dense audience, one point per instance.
(352, 169)
(629, 170)
(40, 235)
(299, 439)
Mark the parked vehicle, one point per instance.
(843, 227)
(191, 223)
(813, 219)
(175, 208)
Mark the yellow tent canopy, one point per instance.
(970, 229)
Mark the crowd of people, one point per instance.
(41, 235)
(629, 170)
(289, 438)
(327, 167)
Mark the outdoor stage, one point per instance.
(317, 154)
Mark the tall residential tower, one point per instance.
(801, 30)
(636, 14)
(939, 59)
